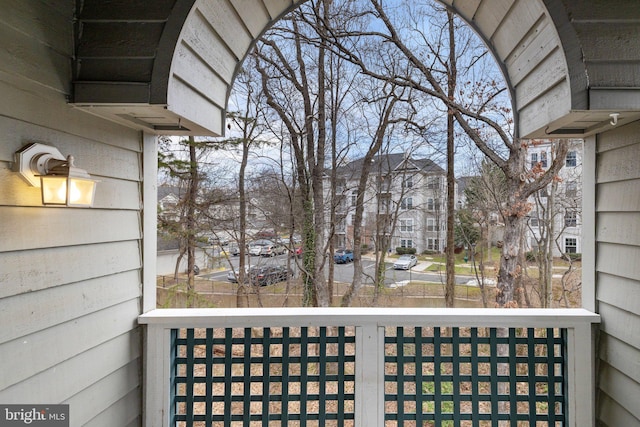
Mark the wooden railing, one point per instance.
(369, 367)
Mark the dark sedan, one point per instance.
(268, 275)
(264, 275)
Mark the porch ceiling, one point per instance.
(168, 69)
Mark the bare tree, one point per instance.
(479, 110)
(556, 209)
(387, 103)
(485, 196)
(301, 106)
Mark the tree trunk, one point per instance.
(450, 288)
(322, 291)
(242, 296)
(192, 193)
(548, 290)
(510, 268)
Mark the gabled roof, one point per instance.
(388, 163)
(168, 190)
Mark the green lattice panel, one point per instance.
(475, 377)
(263, 377)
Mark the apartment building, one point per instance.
(404, 203)
(557, 209)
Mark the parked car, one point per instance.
(262, 275)
(272, 250)
(232, 275)
(231, 250)
(268, 275)
(296, 252)
(196, 270)
(343, 256)
(255, 250)
(255, 247)
(405, 262)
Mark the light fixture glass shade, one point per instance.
(67, 191)
(67, 185)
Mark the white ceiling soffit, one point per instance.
(168, 69)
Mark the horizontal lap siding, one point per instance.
(523, 37)
(256, 19)
(615, 414)
(214, 41)
(618, 274)
(70, 279)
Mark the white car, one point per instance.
(272, 250)
(405, 262)
(255, 250)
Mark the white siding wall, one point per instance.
(70, 279)
(618, 274)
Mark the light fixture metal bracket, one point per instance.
(34, 160)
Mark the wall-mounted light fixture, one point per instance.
(60, 181)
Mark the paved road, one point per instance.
(344, 272)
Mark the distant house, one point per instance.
(404, 204)
(168, 201)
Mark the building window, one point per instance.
(385, 203)
(430, 204)
(570, 245)
(570, 219)
(543, 159)
(407, 203)
(406, 225)
(406, 243)
(385, 184)
(432, 244)
(572, 159)
(354, 197)
(534, 159)
(408, 182)
(571, 190)
(431, 225)
(433, 183)
(533, 220)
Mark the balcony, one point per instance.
(369, 367)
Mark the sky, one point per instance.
(269, 157)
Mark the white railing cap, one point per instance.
(359, 316)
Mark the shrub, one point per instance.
(573, 257)
(403, 251)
